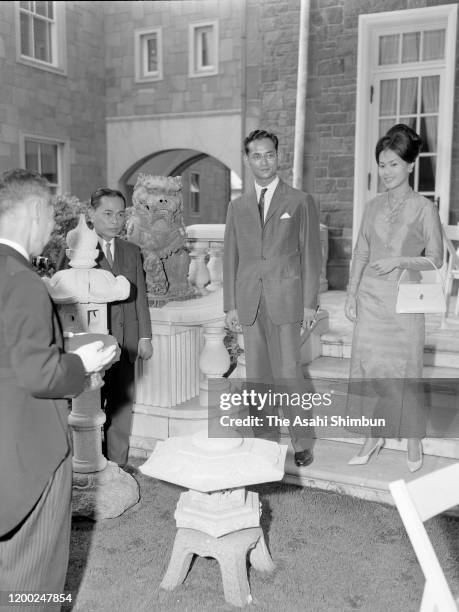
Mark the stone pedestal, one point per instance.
(217, 518)
(86, 420)
(218, 513)
(189, 358)
(104, 494)
(231, 553)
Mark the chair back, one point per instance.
(416, 502)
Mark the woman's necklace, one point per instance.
(393, 207)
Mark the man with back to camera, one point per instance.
(271, 272)
(35, 448)
(128, 320)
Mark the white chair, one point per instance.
(450, 265)
(417, 501)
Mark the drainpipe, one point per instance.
(243, 83)
(300, 114)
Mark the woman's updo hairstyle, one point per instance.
(402, 140)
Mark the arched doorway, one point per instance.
(208, 185)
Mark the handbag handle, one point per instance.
(439, 278)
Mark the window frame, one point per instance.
(140, 35)
(62, 185)
(195, 213)
(371, 26)
(58, 42)
(193, 69)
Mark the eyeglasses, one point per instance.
(119, 216)
(269, 156)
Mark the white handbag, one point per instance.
(421, 297)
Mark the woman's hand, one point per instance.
(386, 265)
(350, 308)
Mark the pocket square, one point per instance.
(285, 216)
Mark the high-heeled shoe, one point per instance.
(362, 459)
(415, 465)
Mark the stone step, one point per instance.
(442, 352)
(442, 336)
(330, 375)
(330, 471)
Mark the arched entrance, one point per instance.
(208, 185)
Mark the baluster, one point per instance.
(215, 266)
(214, 361)
(199, 274)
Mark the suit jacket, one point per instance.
(34, 373)
(282, 258)
(129, 319)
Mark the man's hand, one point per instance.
(350, 308)
(145, 349)
(94, 356)
(308, 317)
(386, 265)
(232, 321)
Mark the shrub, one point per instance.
(67, 209)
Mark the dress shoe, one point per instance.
(363, 459)
(304, 458)
(415, 465)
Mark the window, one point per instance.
(46, 157)
(194, 194)
(406, 75)
(148, 55)
(203, 49)
(41, 35)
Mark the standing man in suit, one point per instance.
(128, 321)
(35, 451)
(271, 270)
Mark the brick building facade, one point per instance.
(62, 106)
(136, 79)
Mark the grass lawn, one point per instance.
(332, 553)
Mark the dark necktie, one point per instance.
(108, 254)
(261, 205)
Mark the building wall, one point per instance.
(331, 99)
(215, 192)
(64, 107)
(176, 92)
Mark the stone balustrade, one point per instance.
(189, 356)
(206, 251)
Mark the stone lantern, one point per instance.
(81, 294)
(217, 517)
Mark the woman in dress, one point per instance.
(399, 229)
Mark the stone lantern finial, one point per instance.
(82, 243)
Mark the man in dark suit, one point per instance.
(35, 451)
(128, 321)
(271, 271)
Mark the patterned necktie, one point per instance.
(108, 254)
(261, 205)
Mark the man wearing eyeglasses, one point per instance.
(128, 321)
(271, 270)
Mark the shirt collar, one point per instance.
(270, 188)
(16, 246)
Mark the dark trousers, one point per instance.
(117, 397)
(35, 557)
(273, 361)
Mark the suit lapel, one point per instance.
(276, 201)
